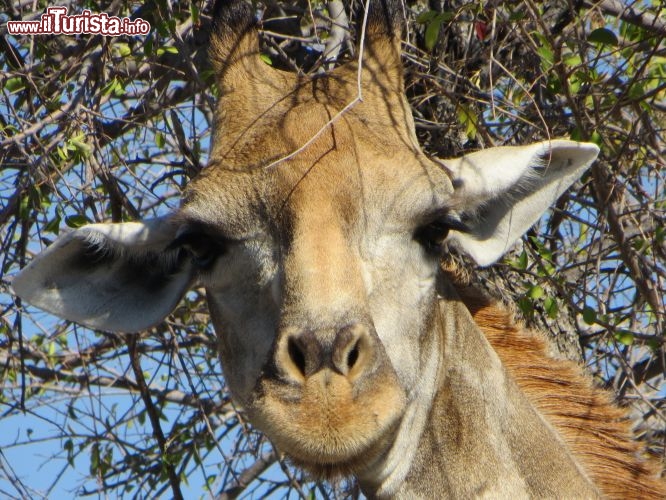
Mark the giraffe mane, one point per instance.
(596, 430)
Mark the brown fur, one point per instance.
(330, 412)
(596, 430)
(296, 193)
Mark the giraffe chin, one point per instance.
(326, 424)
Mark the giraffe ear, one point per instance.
(503, 191)
(113, 277)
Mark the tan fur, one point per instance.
(329, 413)
(597, 431)
(338, 334)
(331, 424)
(316, 201)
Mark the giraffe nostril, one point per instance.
(352, 356)
(347, 351)
(353, 350)
(296, 354)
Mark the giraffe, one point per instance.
(317, 230)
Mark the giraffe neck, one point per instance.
(477, 435)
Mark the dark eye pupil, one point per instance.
(202, 252)
(202, 249)
(432, 235)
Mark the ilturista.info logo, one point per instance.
(55, 21)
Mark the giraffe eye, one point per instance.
(202, 248)
(433, 234)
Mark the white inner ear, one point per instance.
(503, 191)
(114, 277)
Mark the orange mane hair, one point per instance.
(595, 429)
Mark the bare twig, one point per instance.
(248, 475)
(154, 416)
(339, 31)
(630, 14)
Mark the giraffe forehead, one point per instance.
(365, 189)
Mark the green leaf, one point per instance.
(14, 84)
(266, 58)
(517, 16)
(576, 134)
(603, 36)
(69, 447)
(94, 459)
(160, 141)
(114, 87)
(467, 117)
(589, 315)
(24, 207)
(639, 244)
(547, 56)
(526, 306)
(123, 49)
(536, 292)
(148, 46)
(426, 16)
(551, 307)
(79, 145)
(521, 262)
(573, 60)
(660, 234)
(446, 16)
(77, 221)
(167, 50)
(624, 337)
(655, 345)
(108, 459)
(637, 91)
(432, 33)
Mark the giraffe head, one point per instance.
(316, 231)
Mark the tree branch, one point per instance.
(248, 475)
(629, 14)
(154, 416)
(339, 31)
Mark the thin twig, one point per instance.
(154, 417)
(338, 34)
